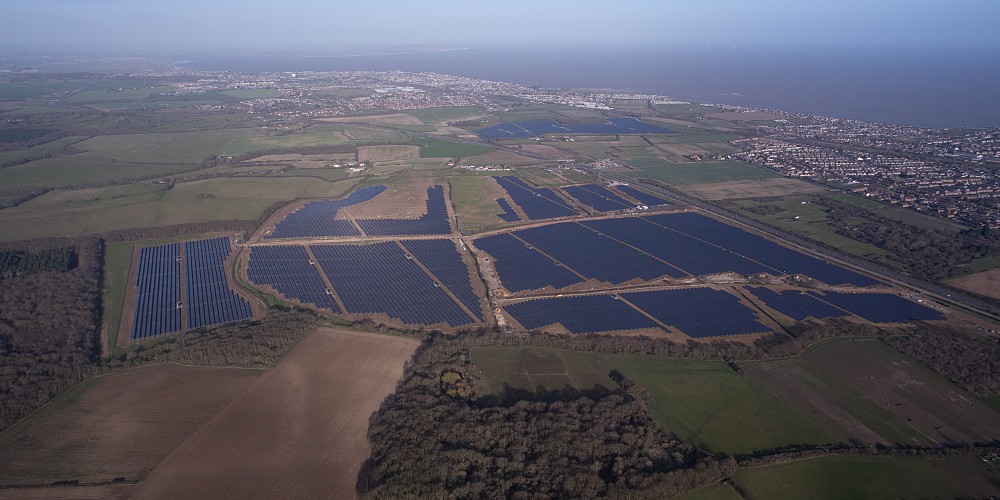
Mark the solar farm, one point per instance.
(538, 128)
(208, 299)
(619, 270)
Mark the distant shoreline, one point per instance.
(921, 90)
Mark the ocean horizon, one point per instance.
(934, 88)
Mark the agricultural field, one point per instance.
(90, 433)
(869, 392)
(687, 174)
(723, 411)
(381, 154)
(431, 147)
(179, 147)
(299, 431)
(985, 283)
(97, 210)
(83, 170)
(858, 477)
(446, 114)
(312, 136)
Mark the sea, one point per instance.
(932, 87)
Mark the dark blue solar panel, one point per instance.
(208, 298)
(442, 259)
(287, 270)
(158, 290)
(583, 314)
(537, 203)
(378, 278)
(644, 198)
(434, 221)
(687, 253)
(880, 307)
(317, 218)
(797, 305)
(597, 197)
(759, 249)
(508, 214)
(534, 128)
(521, 268)
(698, 312)
(594, 255)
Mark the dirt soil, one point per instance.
(984, 283)
(121, 425)
(299, 432)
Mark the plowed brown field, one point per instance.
(299, 432)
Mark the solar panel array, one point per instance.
(317, 218)
(287, 269)
(158, 287)
(582, 314)
(689, 254)
(797, 305)
(535, 128)
(594, 255)
(378, 278)
(880, 307)
(207, 296)
(508, 215)
(759, 249)
(434, 221)
(442, 259)
(521, 268)
(537, 203)
(644, 198)
(698, 312)
(597, 197)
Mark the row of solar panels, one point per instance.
(208, 298)
(318, 218)
(645, 248)
(378, 278)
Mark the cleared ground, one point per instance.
(474, 198)
(985, 283)
(402, 200)
(119, 425)
(703, 402)
(299, 432)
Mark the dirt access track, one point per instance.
(300, 431)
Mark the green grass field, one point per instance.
(181, 147)
(712, 492)
(316, 135)
(905, 215)
(801, 216)
(432, 147)
(703, 402)
(79, 170)
(118, 92)
(117, 255)
(21, 91)
(848, 477)
(701, 172)
(89, 211)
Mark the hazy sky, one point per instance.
(135, 25)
